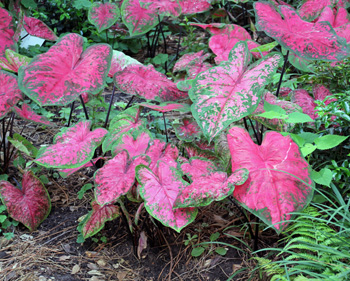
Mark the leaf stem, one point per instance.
(166, 131)
(109, 108)
(83, 104)
(256, 236)
(283, 70)
(164, 41)
(129, 103)
(71, 112)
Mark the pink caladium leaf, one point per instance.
(188, 59)
(316, 41)
(148, 83)
(98, 217)
(305, 101)
(199, 149)
(208, 184)
(103, 15)
(36, 27)
(128, 121)
(188, 130)
(320, 92)
(194, 69)
(29, 205)
(230, 91)
(311, 9)
(344, 32)
(60, 75)
(159, 190)
(134, 144)
(279, 182)
(213, 28)
(141, 16)
(27, 113)
(160, 151)
(117, 177)
(6, 32)
(13, 61)
(10, 94)
(119, 62)
(167, 106)
(72, 148)
(190, 7)
(67, 172)
(335, 17)
(279, 2)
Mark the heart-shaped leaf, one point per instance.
(199, 149)
(230, 91)
(23, 145)
(159, 150)
(208, 184)
(65, 71)
(29, 205)
(167, 106)
(72, 148)
(190, 7)
(188, 130)
(98, 217)
(13, 61)
(103, 15)
(10, 94)
(116, 177)
(148, 83)
(6, 32)
(141, 16)
(119, 62)
(311, 9)
(36, 27)
(278, 182)
(135, 144)
(336, 17)
(315, 41)
(188, 59)
(160, 190)
(29, 114)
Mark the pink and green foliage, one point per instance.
(67, 172)
(128, 121)
(188, 130)
(207, 183)
(10, 93)
(195, 68)
(316, 41)
(98, 217)
(13, 61)
(159, 190)
(159, 150)
(117, 177)
(60, 75)
(30, 204)
(72, 148)
(148, 83)
(279, 2)
(6, 32)
(276, 124)
(189, 59)
(36, 27)
(190, 7)
(311, 9)
(120, 61)
(141, 16)
(200, 149)
(167, 106)
(103, 15)
(278, 182)
(230, 91)
(135, 144)
(29, 114)
(307, 103)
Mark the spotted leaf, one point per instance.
(278, 183)
(29, 204)
(36, 27)
(159, 190)
(190, 7)
(29, 114)
(311, 9)
(188, 130)
(10, 94)
(6, 32)
(116, 177)
(119, 62)
(67, 172)
(188, 59)
(13, 61)
(98, 217)
(230, 91)
(167, 106)
(72, 148)
(160, 151)
(135, 144)
(148, 83)
(103, 15)
(60, 75)
(316, 41)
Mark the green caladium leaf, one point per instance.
(24, 145)
(230, 91)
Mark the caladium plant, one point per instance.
(10, 93)
(29, 204)
(103, 15)
(188, 130)
(189, 7)
(230, 91)
(279, 181)
(37, 28)
(27, 113)
(60, 75)
(6, 32)
(13, 61)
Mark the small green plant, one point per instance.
(6, 223)
(199, 249)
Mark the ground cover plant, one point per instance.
(248, 130)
